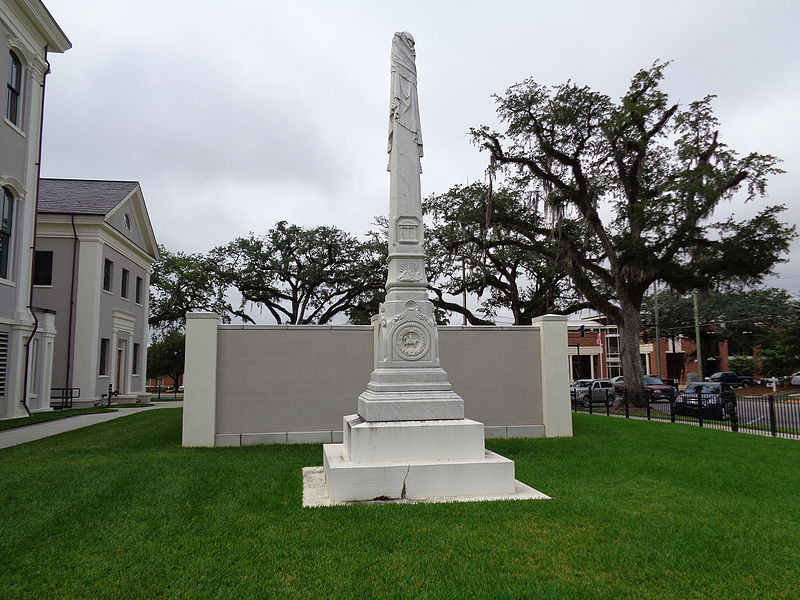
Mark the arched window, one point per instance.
(13, 111)
(6, 216)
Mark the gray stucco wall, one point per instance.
(57, 297)
(13, 146)
(13, 161)
(274, 379)
(114, 301)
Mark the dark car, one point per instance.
(731, 378)
(657, 390)
(709, 400)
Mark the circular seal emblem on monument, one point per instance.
(411, 341)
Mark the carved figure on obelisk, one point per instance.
(404, 106)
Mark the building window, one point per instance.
(104, 343)
(6, 218)
(108, 275)
(139, 286)
(14, 89)
(612, 345)
(135, 369)
(43, 267)
(124, 283)
(126, 221)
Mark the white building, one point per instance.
(27, 33)
(94, 251)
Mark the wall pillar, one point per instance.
(200, 380)
(557, 416)
(86, 327)
(47, 334)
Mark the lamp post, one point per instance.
(697, 335)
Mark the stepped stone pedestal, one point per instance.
(414, 460)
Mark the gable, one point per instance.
(133, 211)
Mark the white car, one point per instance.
(795, 380)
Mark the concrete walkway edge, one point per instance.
(37, 431)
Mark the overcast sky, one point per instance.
(234, 115)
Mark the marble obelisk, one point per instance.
(407, 383)
(410, 439)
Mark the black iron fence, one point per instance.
(62, 397)
(777, 415)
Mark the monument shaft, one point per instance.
(407, 382)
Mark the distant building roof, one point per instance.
(82, 196)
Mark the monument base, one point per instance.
(315, 494)
(346, 480)
(415, 460)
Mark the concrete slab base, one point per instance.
(315, 494)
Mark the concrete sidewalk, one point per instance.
(29, 433)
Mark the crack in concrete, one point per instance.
(403, 491)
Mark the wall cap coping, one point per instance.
(520, 328)
(202, 315)
(543, 318)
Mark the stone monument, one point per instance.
(410, 439)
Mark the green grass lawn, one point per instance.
(50, 416)
(641, 510)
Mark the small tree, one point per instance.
(743, 316)
(742, 365)
(167, 356)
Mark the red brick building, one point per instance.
(594, 352)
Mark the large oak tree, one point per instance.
(303, 276)
(183, 283)
(467, 253)
(633, 186)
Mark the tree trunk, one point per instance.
(629, 329)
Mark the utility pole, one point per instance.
(658, 336)
(464, 291)
(697, 335)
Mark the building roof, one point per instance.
(37, 12)
(82, 196)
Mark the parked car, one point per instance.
(795, 379)
(653, 386)
(731, 378)
(592, 391)
(711, 400)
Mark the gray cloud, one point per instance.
(234, 116)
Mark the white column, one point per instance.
(146, 337)
(129, 364)
(554, 386)
(47, 333)
(200, 380)
(86, 337)
(113, 364)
